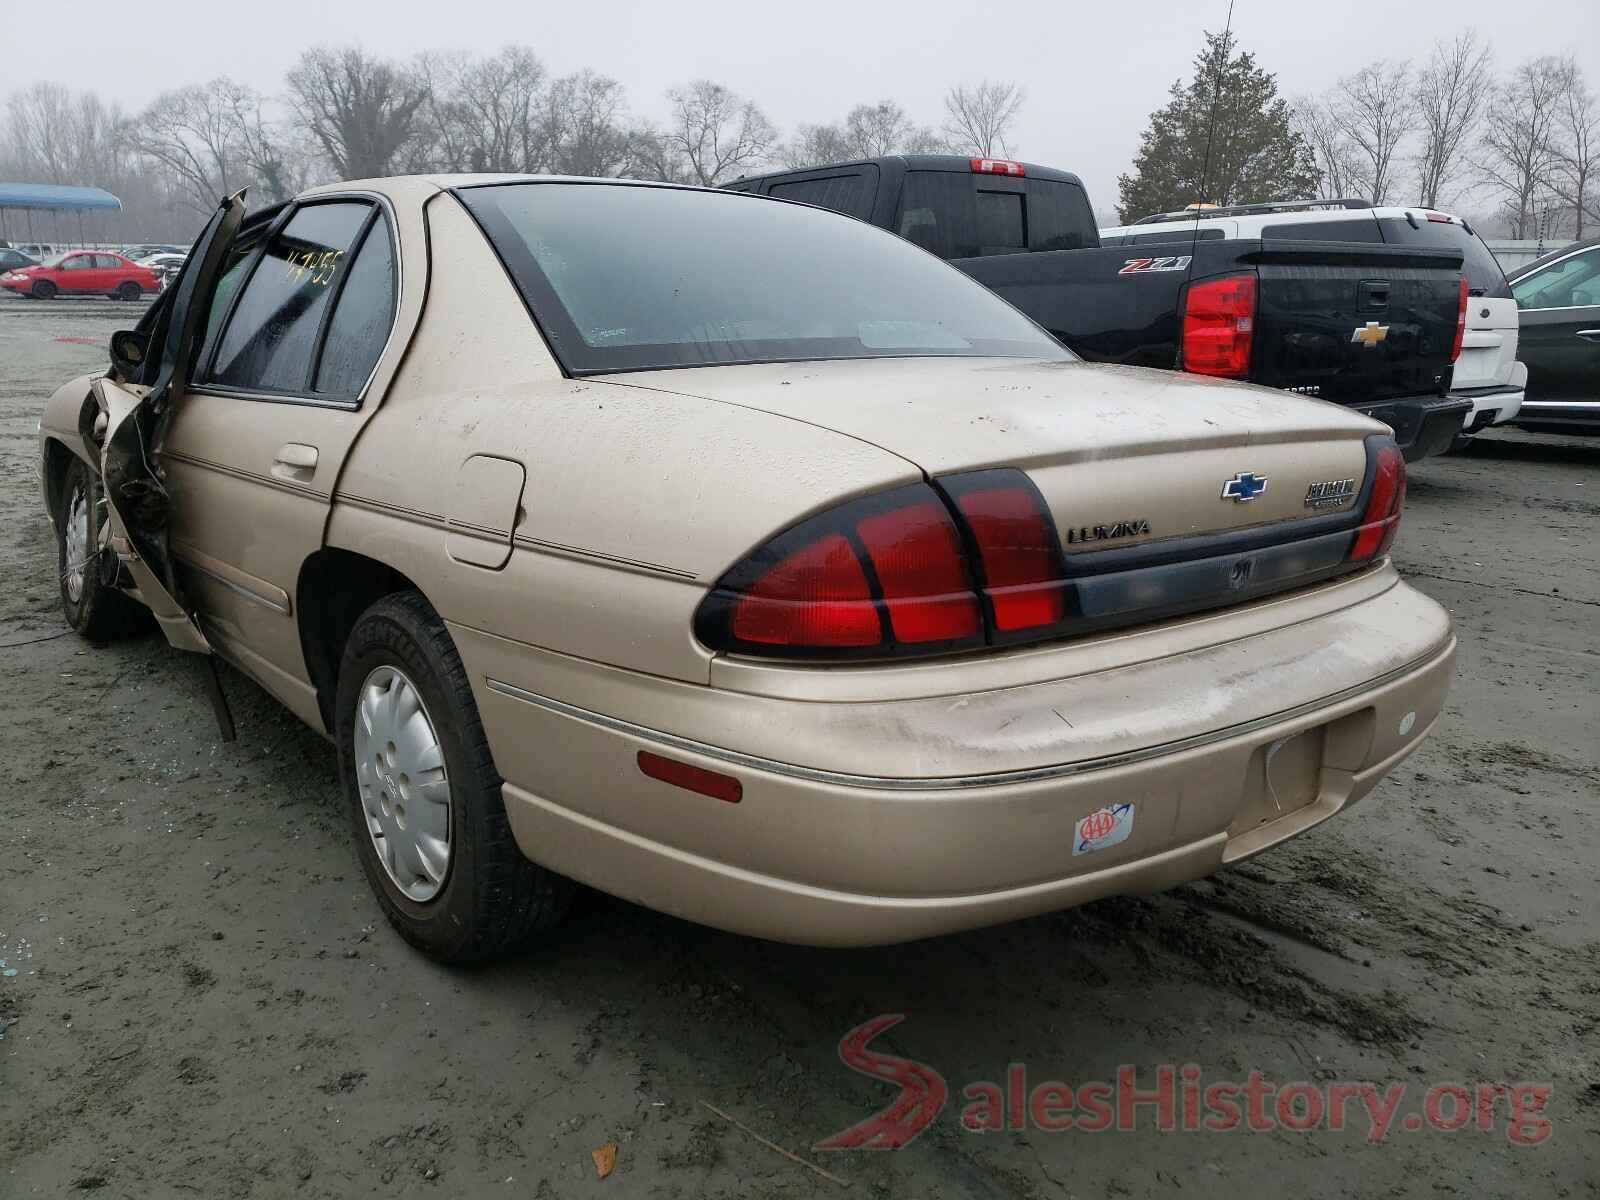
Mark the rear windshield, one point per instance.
(956, 214)
(627, 277)
(1484, 276)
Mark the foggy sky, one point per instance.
(1093, 72)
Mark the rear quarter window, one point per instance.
(1479, 265)
(848, 192)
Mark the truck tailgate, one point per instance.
(1353, 322)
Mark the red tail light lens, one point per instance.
(882, 573)
(916, 553)
(1461, 321)
(816, 595)
(1219, 317)
(1017, 548)
(1380, 520)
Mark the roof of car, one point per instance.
(1212, 219)
(1545, 259)
(918, 162)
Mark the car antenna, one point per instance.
(1205, 168)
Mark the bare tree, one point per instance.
(1515, 153)
(56, 135)
(201, 135)
(813, 145)
(1450, 92)
(978, 117)
(1575, 146)
(1375, 113)
(480, 114)
(585, 126)
(873, 130)
(716, 132)
(1338, 169)
(360, 110)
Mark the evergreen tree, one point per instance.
(1255, 154)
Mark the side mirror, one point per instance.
(128, 350)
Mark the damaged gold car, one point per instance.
(736, 558)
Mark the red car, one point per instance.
(95, 272)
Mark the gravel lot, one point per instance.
(205, 1000)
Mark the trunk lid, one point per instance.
(1123, 456)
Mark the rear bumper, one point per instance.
(1496, 405)
(1423, 425)
(819, 851)
(1560, 416)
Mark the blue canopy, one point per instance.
(56, 196)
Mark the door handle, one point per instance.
(1589, 335)
(295, 461)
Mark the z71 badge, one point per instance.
(1145, 266)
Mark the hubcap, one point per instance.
(77, 543)
(405, 794)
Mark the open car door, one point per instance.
(135, 412)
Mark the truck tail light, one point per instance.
(997, 166)
(1386, 492)
(1461, 320)
(1219, 317)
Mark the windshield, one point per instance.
(624, 277)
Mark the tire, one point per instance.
(97, 612)
(484, 899)
(128, 290)
(43, 289)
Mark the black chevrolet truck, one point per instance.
(1373, 327)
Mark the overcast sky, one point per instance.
(1093, 73)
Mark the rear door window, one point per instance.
(272, 335)
(110, 261)
(848, 192)
(1571, 283)
(1479, 265)
(361, 319)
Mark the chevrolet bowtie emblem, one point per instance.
(1370, 334)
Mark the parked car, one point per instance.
(1486, 373)
(1559, 296)
(736, 558)
(1373, 327)
(166, 266)
(83, 272)
(144, 251)
(36, 250)
(13, 260)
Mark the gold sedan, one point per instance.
(737, 558)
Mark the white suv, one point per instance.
(1487, 373)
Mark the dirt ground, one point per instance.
(198, 995)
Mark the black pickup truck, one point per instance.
(1369, 326)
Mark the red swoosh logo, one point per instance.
(922, 1092)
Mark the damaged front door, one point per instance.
(135, 416)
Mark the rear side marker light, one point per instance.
(1461, 319)
(1380, 519)
(1219, 317)
(691, 778)
(997, 166)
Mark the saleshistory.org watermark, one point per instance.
(1177, 1098)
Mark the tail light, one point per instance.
(1219, 317)
(1017, 550)
(1461, 320)
(881, 574)
(1380, 519)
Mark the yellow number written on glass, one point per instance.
(311, 266)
